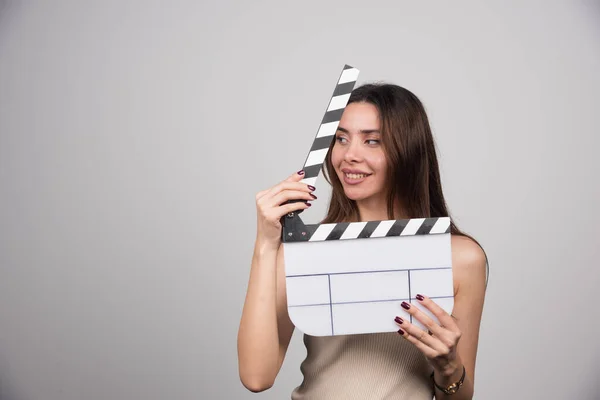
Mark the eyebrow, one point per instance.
(361, 131)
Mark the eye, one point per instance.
(340, 139)
(373, 141)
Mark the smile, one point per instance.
(356, 176)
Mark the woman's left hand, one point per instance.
(439, 344)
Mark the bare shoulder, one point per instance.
(468, 262)
(466, 252)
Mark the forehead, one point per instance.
(360, 116)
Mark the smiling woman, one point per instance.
(397, 140)
(358, 158)
(381, 165)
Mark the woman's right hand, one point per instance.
(270, 207)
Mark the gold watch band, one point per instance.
(453, 388)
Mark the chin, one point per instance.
(356, 195)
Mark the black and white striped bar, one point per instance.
(376, 229)
(329, 124)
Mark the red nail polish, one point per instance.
(301, 172)
(398, 320)
(405, 305)
(400, 331)
(313, 196)
(311, 187)
(420, 297)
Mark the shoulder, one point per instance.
(468, 262)
(466, 252)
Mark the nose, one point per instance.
(353, 152)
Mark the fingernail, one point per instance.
(308, 204)
(311, 187)
(398, 320)
(405, 305)
(400, 331)
(301, 172)
(420, 297)
(313, 196)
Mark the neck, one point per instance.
(376, 210)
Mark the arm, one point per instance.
(453, 342)
(265, 328)
(469, 276)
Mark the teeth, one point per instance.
(356, 176)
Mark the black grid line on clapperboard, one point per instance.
(331, 303)
(409, 294)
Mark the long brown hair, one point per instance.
(413, 171)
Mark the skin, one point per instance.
(358, 149)
(265, 328)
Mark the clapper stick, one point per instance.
(350, 278)
(329, 124)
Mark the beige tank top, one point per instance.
(367, 366)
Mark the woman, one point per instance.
(381, 165)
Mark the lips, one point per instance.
(354, 176)
(354, 171)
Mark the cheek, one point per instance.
(336, 156)
(378, 163)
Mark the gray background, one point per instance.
(134, 135)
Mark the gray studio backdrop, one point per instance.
(134, 135)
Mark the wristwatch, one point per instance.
(453, 388)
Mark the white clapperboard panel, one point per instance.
(350, 278)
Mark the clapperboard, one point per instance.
(350, 278)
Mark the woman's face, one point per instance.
(357, 155)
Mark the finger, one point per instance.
(286, 185)
(442, 316)
(426, 350)
(261, 194)
(286, 195)
(424, 319)
(421, 335)
(295, 177)
(289, 207)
